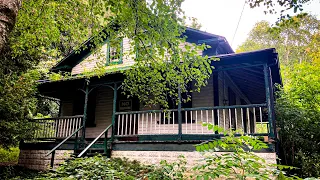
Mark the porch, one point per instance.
(239, 96)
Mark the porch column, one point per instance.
(87, 82)
(269, 100)
(115, 89)
(179, 114)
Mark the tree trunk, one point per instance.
(8, 14)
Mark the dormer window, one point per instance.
(114, 52)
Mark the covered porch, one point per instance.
(239, 96)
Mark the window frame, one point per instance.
(108, 58)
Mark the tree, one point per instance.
(8, 15)
(298, 101)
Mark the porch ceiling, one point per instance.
(66, 89)
(251, 82)
(246, 71)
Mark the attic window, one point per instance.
(114, 52)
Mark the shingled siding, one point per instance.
(95, 59)
(103, 111)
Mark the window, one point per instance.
(114, 52)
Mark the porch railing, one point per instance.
(250, 119)
(60, 127)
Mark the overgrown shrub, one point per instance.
(10, 155)
(99, 167)
(298, 120)
(17, 172)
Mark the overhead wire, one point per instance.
(235, 32)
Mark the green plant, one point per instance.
(10, 155)
(175, 170)
(237, 161)
(99, 167)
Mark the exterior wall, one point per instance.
(36, 159)
(99, 59)
(103, 112)
(193, 158)
(225, 82)
(66, 108)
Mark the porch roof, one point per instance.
(249, 78)
(246, 71)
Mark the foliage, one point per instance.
(17, 172)
(10, 155)
(99, 167)
(17, 104)
(298, 112)
(238, 162)
(297, 42)
(283, 7)
(291, 37)
(176, 170)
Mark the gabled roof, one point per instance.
(219, 45)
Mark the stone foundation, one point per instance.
(154, 157)
(36, 159)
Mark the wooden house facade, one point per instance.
(95, 115)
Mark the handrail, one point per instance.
(54, 118)
(55, 148)
(194, 109)
(94, 140)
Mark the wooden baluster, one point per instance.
(224, 119)
(230, 119)
(207, 114)
(134, 124)
(218, 113)
(159, 122)
(260, 109)
(191, 120)
(155, 123)
(147, 123)
(248, 120)
(254, 120)
(142, 118)
(242, 121)
(173, 118)
(68, 126)
(126, 127)
(138, 121)
(196, 121)
(212, 116)
(164, 120)
(236, 117)
(122, 124)
(130, 127)
(201, 114)
(151, 123)
(186, 121)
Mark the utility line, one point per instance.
(235, 32)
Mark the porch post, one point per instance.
(179, 114)
(115, 89)
(87, 82)
(269, 99)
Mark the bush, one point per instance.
(99, 167)
(17, 172)
(10, 155)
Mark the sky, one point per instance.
(222, 16)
